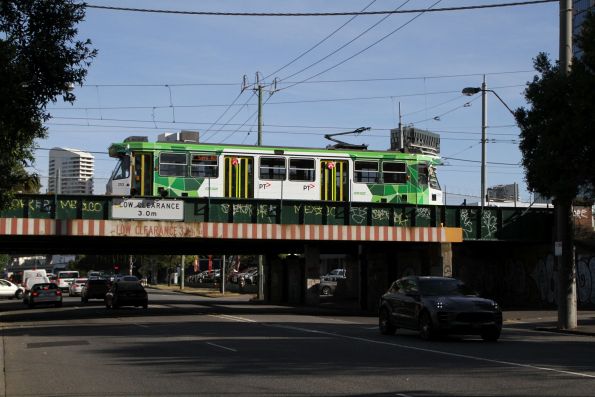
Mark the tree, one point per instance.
(40, 60)
(558, 147)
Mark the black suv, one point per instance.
(126, 293)
(94, 288)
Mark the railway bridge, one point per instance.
(381, 241)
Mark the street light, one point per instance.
(468, 91)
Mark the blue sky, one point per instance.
(160, 73)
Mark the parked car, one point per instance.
(43, 293)
(76, 287)
(328, 282)
(438, 305)
(209, 276)
(126, 293)
(94, 288)
(235, 276)
(249, 277)
(335, 274)
(10, 290)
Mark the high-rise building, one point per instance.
(579, 13)
(70, 171)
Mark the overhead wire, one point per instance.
(364, 49)
(314, 14)
(342, 46)
(319, 43)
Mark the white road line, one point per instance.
(233, 318)
(508, 363)
(221, 347)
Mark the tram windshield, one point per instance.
(122, 170)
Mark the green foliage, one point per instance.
(40, 59)
(557, 131)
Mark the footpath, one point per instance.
(543, 320)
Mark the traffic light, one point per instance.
(116, 268)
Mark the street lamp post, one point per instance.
(484, 121)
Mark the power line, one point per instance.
(368, 47)
(343, 46)
(315, 14)
(289, 102)
(319, 43)
(365, 80)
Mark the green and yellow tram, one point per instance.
(181, 168)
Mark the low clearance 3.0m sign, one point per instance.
(148, 209)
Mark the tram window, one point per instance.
(122, 170)
(272, 168)
(422, 174)
(172, 164)
(366, 172)
(394, 172)
(204, 166)
(434, 184)
(302, 170)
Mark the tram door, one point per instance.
(142, 174)
(239, 177)
(334, 185)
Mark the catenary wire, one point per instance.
(315, 14)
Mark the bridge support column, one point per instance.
(375, 278)
(312, 275)
(441, 260)
(276, 280)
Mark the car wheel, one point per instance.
(491, 334)
(426, 328)
(386, 327)
(107, 305)
(19, 294)
(326, 290)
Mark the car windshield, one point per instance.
(444, 287)
(68, 274)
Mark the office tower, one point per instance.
(70, 171)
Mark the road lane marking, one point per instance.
(508, 363)
(233, 318)
(222, 347)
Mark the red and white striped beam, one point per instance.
(118, 228)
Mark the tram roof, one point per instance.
(121, 147)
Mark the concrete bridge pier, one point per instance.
(312, 274)
(380, 267)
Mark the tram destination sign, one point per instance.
(150, 209)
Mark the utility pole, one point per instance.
(567, 315)
(258, 86)
(182, 272)
(484, 122)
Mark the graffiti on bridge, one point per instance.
(545, 276)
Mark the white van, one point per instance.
(32, 274)
(65, 278)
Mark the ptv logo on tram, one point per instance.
(309, 186)
(264, 186)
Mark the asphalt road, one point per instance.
(187, 346)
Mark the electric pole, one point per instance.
(257, 87)
(567, 315)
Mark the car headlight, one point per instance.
(495, 306)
